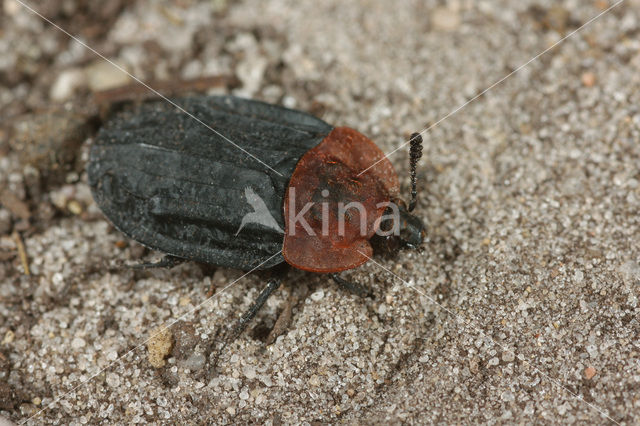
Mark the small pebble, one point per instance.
(474, 365)
(8, 337)
(75, 207)
(589, 372)
(382, 309)
(78, 343)
(445, 19)
(113, 380)
(102, 75)
(588, 79)
(159, 346)
(249, 372)
(508, 356)
(314, 380)
(195, 361)
(317, 296)
(508, 396)
(67, 82)
(630, 273)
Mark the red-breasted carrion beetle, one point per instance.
(269, 185)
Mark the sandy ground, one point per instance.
(521, 307)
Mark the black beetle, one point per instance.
(225, 197)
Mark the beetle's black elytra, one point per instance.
(167, 181)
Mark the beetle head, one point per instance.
(409, 231)
(412, 230)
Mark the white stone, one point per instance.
(66, 83)
(113, 380)
(78, 343)
(318, 295)
(102, 75)
(249, 372)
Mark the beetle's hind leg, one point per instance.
(167, 261)
(354, 288)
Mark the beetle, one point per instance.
(266, 187)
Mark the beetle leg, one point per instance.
(241, 325)
(166, 262)
(244, 320)
(284, 319)
(351, 287)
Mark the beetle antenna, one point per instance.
(415, 152)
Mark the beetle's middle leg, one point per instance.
(351, 287)
(244, 320)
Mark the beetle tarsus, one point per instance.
(351, 287)
(415, 152)
(166, 262)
